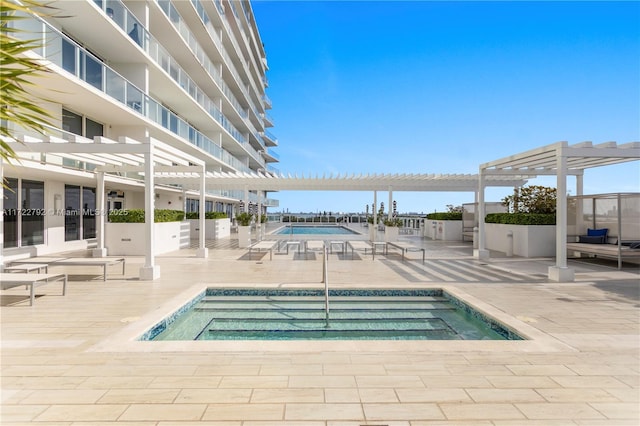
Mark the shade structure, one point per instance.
(559, 159)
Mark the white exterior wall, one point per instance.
(528, 240)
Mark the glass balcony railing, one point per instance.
(121, 16)
(65, 53)
(273, 154)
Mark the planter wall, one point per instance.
(244, 236)
(214, 229)
(445, 230)
(391, 233)
(128, 239)
(528, 240)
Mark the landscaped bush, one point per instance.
(137, 216)
(244, 218)
(207, 215)
(393, 222)
(445, 216)
(521, 218)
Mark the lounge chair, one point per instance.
(406, 247)
(314, 245)
(264, 245)
(11, 280)
(77, 261)
(360, 245)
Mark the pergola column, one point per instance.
(202, 251)
(374, 233)
(481, 252)
(390, 202)
(1, 215)
(259, 221)
(150, 271)
(101, 216)
(560, 272)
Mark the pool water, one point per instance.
(279, 314)
(315, 230)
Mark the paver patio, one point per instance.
(63, 362)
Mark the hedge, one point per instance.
(445, 216)
(137, 216)
(207, 215)
(521, 218)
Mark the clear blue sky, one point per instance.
(441, 87)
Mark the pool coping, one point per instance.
(127, 339)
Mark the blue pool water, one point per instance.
(296, 314)
(315, 230)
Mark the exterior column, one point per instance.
(150, 271)
(202, 252)
(374, 234)
(560, 272)
(259, 221)
(101, 217)
(580, 184)
(1, 215)
(390, 203)
(481, 252)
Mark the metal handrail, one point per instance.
(325, 278)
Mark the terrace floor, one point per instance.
(70, 360)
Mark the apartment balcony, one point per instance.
(269, 139)
(267, 120)
(270, 156)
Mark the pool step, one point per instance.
(334, 335)
(337, 328)
(342, 324)
(311, 298)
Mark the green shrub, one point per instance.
(521, 218)
(445, 216)
(244, 218)
(393, 222)
(207, 215)
(137, 216)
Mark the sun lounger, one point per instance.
(93, 261)
(314, 245)
(78, 261)
(338, 243)
(31, 280)
(377, 244)
(28, 267)
(265, 245)
(406, 247)
(360, 245)
(290, 243)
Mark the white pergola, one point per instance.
(562, 160)
(362, 182)
(123, 155)
(160, 163)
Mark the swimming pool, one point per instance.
(314, 230)
(354, 314)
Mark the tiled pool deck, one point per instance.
(69, 360)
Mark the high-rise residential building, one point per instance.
(190, 74)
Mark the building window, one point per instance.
(71, 212)
(80, 125)
(11, 213)
(80, 212)
(93, 128)
(71, 122)
(32, 212)
(88, 213)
